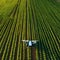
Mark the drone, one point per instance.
(30, 42)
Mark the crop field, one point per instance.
(29, 20)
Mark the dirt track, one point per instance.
(33, 53)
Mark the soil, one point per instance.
(33, 53)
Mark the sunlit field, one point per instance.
(29, 20)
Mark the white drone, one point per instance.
(30, 42)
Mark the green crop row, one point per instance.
(29, 20)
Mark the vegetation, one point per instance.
(29, 20)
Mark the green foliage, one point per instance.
(29, 20)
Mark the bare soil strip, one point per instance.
(33, 53)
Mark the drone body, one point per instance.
(30, 42)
